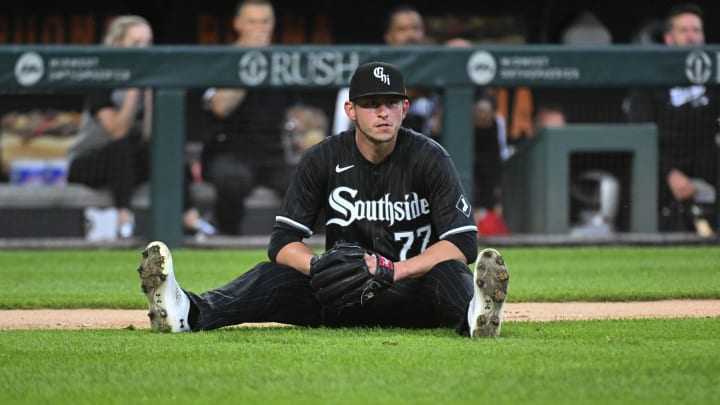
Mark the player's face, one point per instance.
(378, 118)
(255, 24)
(687, 30)
(406, 28)
(137, 36)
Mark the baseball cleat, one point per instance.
(491, 281)
(169, 305)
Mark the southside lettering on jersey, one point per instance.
(384, 209)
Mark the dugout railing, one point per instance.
(458, 72)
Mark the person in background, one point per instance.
(404, 27)
(687, 124)
(490, 151)
(244, 148)
(112, 149)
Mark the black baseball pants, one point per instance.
(272, 292)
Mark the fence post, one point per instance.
(457, 133)
(166, 166)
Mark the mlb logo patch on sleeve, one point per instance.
(464, 206)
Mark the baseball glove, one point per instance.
(341, 278)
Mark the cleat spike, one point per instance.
(490, 292)
(169, 306)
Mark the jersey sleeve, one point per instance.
(452, 212)
(303, 199)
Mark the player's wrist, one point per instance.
(384, 267)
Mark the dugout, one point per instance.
(174, 71)
(537, 179)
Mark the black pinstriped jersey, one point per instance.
(397, 208)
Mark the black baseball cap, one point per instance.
(377, 78)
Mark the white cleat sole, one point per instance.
(491, 280)
(169, 305)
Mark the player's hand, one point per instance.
(379, 264)
(680, 185)
(341, 277)
(132, 94)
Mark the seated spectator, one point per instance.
(686, 118)
(244, 149)
(113, 144)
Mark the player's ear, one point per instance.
(350, 110)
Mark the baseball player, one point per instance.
(399, 236)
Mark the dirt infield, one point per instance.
(514, 312)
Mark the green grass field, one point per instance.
(650, 361)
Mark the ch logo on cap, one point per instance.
(379, 72)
